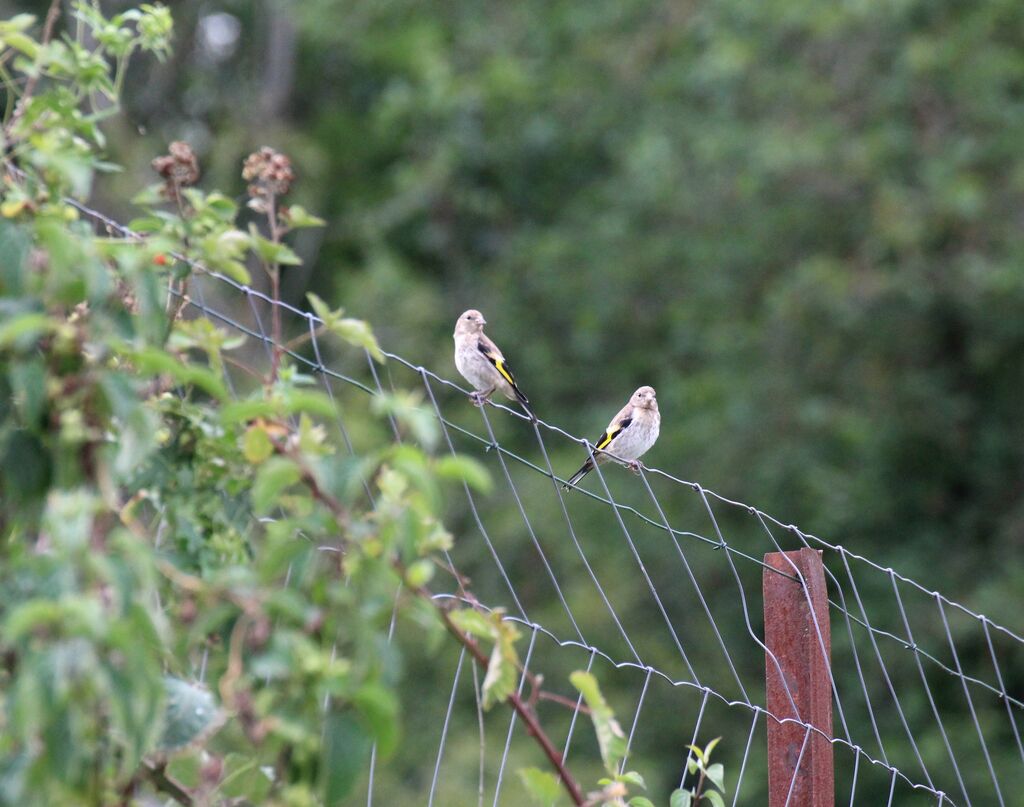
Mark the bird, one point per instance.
(628, 437)
(481, 363)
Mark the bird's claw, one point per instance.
(634, 466)
(476, 398)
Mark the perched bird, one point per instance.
(481, 363)
(630, 434)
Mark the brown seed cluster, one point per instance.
(268, 172)
(179, 168)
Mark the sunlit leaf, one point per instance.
(714, 797)
(610, 737)
(680, 798)
(256, 445)
(716, 773)
(545, 788)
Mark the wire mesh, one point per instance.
(920, 683)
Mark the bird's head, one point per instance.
(471, 321)
(645, 398)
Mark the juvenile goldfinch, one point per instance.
(630, 434)
(481, 363)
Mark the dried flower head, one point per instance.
(179, 168)
(268, 172)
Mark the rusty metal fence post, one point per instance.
(796, 628)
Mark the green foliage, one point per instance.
(700, 765)
(156, 530)
(811, 209)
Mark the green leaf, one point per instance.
(503, 665)
(246, 410)
(14, 248)
(296, 217)
(256, 445)
(24, 329)
(354, 331)
(714, 797)
(146, 224)
(153, 360)
(419, 573)
(31, 616)
(473, 622)
(223, 250)
(245, 778)
(680, 798)
(711, 747)
(545, 788)
(185, 769)
(321, 309)
(716, 773)
(378, 706)
(19, 22)
(28, 385)
(344, 751)
(640, 801)
(271, 252)
(697, 752)
(315, 403)
(273, 477)
(190, 715)
(610, 737)
(21, 42)
(464, 469)
(633, 778)
(502, 674)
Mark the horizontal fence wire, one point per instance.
(920, 683)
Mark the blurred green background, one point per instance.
(802, 222)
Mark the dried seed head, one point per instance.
(179, 168)
(268, 172)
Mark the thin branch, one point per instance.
(157, 776)
(528, 716)
(561, 700)
(274, 270)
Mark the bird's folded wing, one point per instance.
(493, 355)
(617, 427)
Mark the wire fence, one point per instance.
(921, 685)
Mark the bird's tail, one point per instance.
(585, 469)
(523, 400)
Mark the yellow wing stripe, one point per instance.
(500, 365)
(608, 435)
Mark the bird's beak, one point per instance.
(483, 321)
